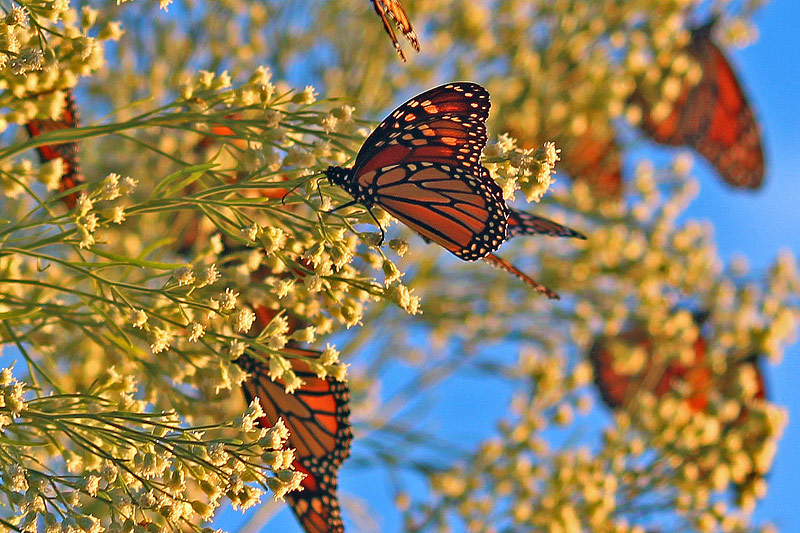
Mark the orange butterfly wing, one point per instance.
(393, 10)
(713, 117)
(67, 151)
(317, 417)
(595, 160)
(445, 205)
(445, 125)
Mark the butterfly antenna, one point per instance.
(290, 191)
(319, 180)
(508, 267)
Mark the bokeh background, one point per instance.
(755, 225)
(464, 410)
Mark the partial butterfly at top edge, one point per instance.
(392, 10)
(712, 116)
(317, 416)
(67, 151)
(422, 165)
(431, 168)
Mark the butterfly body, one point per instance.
(422, 165)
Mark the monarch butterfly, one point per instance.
(422, 165)
(618, 387)
(391, 9)
(67, 151)
(595, 160)
(190, 223)
(712, 116)
(317, 416)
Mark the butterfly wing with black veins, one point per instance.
(67, 151)
(713, 116)
(393, 10)
(317, 416)
(422, 165)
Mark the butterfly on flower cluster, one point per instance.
(422, 165)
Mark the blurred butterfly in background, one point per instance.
(317, 416)
(392, 10)
(712, 116)
(619, 387)
(593, 157)
(190, 223)
(594, 160)
(67, 151)
(422, 165)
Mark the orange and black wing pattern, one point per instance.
(67, 151)
(522, 223)
(392, 10)
(445, 125)
(447, 206)
(713, 116)
(618, 388)
(422, 164)
(317, 416)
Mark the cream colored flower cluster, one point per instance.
(117, 454)
(48, 46)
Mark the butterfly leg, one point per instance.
(383, 233)
(290, 191)
(348, 204)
